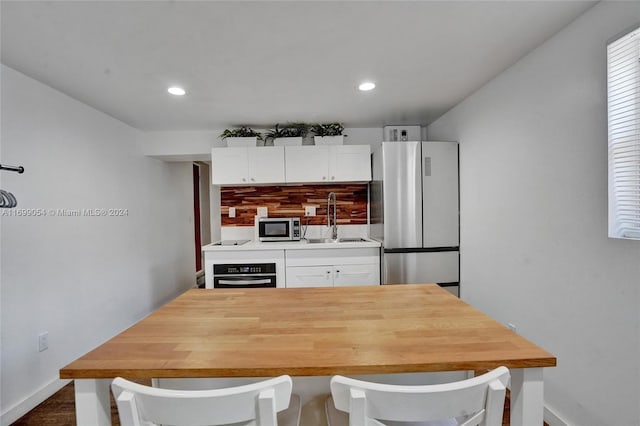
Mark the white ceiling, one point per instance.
(264, 62)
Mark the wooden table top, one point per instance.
(309, 332)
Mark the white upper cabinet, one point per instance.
(247, 165)
(306, 164)
(291, 164)
(325, 164)
(349, 163)
(266, 164)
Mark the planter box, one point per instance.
(329, 140)
(242, 141)
(297, 141)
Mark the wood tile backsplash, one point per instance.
(290, 201)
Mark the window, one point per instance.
(623, 101)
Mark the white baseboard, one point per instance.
(552, 418)
(29, 403)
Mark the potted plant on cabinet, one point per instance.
(289, 135)
(242, 136)
(328, 133)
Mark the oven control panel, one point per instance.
(240, 269)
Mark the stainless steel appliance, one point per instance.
(415, 212)
(244, 275)
(279, 229)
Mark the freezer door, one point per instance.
(440, 194)
(402, 194)
(421, 267)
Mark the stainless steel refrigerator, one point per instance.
(415, 212)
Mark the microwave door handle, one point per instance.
(243, 282)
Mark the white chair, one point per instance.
(476, 401)
(266, 403)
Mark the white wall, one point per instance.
(82, 279)
(180, 145)
(534, 246)
(205, 203)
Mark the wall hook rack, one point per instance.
(7, 199)
(18, 169)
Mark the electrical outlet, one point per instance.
(512, 327)
(43, 341)
(232, 212)
(309, 210)
(262, 212)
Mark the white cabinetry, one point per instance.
(332, 275)
(353, 275)
(309, 276)
(338, 163)
(332, 268)
(246, 166)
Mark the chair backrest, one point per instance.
(476, 401)
(140, 405)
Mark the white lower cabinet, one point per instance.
(352, 275)
(332, 275)
(321, 268)
(309, 276)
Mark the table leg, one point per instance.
(527, 400)
(93, 406)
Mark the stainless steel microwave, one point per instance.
(279, 229)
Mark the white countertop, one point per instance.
(291, 245)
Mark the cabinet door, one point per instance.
(229, 166)
(307, 164)
(309, 276)
(266, 164)
(349, 163)
(356, 275)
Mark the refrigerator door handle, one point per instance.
(427, 166)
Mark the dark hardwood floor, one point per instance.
(59, 410)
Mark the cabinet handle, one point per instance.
(328, 275)
(324, 178)
(333, 178)
(244, 179)
(252, 180)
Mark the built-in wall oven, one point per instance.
(239, 257)
(244, 275)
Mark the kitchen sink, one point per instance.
(321, 240)
(339, 240)
(352, 240)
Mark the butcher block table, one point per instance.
(411, 328)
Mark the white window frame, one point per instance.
(623, 118)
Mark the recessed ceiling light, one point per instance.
(178, 91)
(366, 86)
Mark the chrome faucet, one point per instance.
(334, 228)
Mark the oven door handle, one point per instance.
(244, 282)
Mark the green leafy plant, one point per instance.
(327, 129)
(289, 130)
(240, 132)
